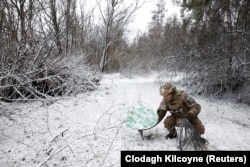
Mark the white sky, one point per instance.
(144, 16)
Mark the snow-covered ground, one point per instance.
(88, 129)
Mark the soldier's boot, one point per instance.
(202, 140)
(171, 135)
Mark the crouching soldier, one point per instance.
(180, 105)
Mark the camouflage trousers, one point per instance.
(171, 122)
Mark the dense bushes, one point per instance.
(25, 75)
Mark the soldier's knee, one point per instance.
(199, 126)
(169, 122)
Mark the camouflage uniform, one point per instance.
(180, 105)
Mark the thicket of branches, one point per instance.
(37, 36)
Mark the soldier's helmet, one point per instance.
(167, 89)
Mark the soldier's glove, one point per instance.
(189, 116)
(160, 110)
(161, 113)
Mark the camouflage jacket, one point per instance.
(180, 105)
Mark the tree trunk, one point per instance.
(55, 24)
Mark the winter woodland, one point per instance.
(67, 76)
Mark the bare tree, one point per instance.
(115, 18)
(55, 24)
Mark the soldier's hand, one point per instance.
(159, 110)
(161, 113)
(189, 116)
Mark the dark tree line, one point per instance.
(221, 30)
(210, 44)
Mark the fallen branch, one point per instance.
(59, 134)
(52, 155)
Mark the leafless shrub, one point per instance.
(26, 76)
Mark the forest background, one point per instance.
(51, 48)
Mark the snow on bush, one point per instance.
(41, 77)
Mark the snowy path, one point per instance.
(87, 130)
